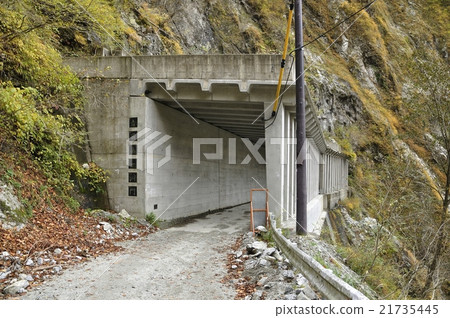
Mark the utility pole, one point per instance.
(301, 203)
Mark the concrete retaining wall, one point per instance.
(331, 286)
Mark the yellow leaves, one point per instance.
(80, 39)
(132, 35)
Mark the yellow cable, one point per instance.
(286, 43)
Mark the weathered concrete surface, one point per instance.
(185, 262)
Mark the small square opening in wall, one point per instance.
(155, 206)
(132, 163)
(133, 122)
(132, 191)
(132, 177)
(133, 150)
(132, 136)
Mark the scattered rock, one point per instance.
(39, 261)
(262, 281)
(257, 295)
(277, 256)
(5, 254)
(301, 280)
(238, 254)
(233, 266)
(107, 227)
(261, 229)
(263, 262)
(57, 251)
(269, 251)
(289, 290)
(16, 287)
(57, 269)
(256, 247)
(4, 275)
(269, 258)
(124, 214)
(289, 274)
(29, 262)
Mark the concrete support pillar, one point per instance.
(275, 158)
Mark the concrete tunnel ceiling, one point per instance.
(232, 105)
(235, 117)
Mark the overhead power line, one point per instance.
(336, 25)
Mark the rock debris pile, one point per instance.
(259, 270)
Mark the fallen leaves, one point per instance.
(235, 268)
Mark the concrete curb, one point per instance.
(331, 286)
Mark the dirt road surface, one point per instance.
(184, 262)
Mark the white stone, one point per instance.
(269, 251)
(256, 247)
(261, 229)
(124, 214)
(4, 275)
(277, 256)
(57, 251)
(288, 274)
(29, 262)
(107, 227)
(262, 281)
(16, 287)
(301, 280)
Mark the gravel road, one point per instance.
(184, 262)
